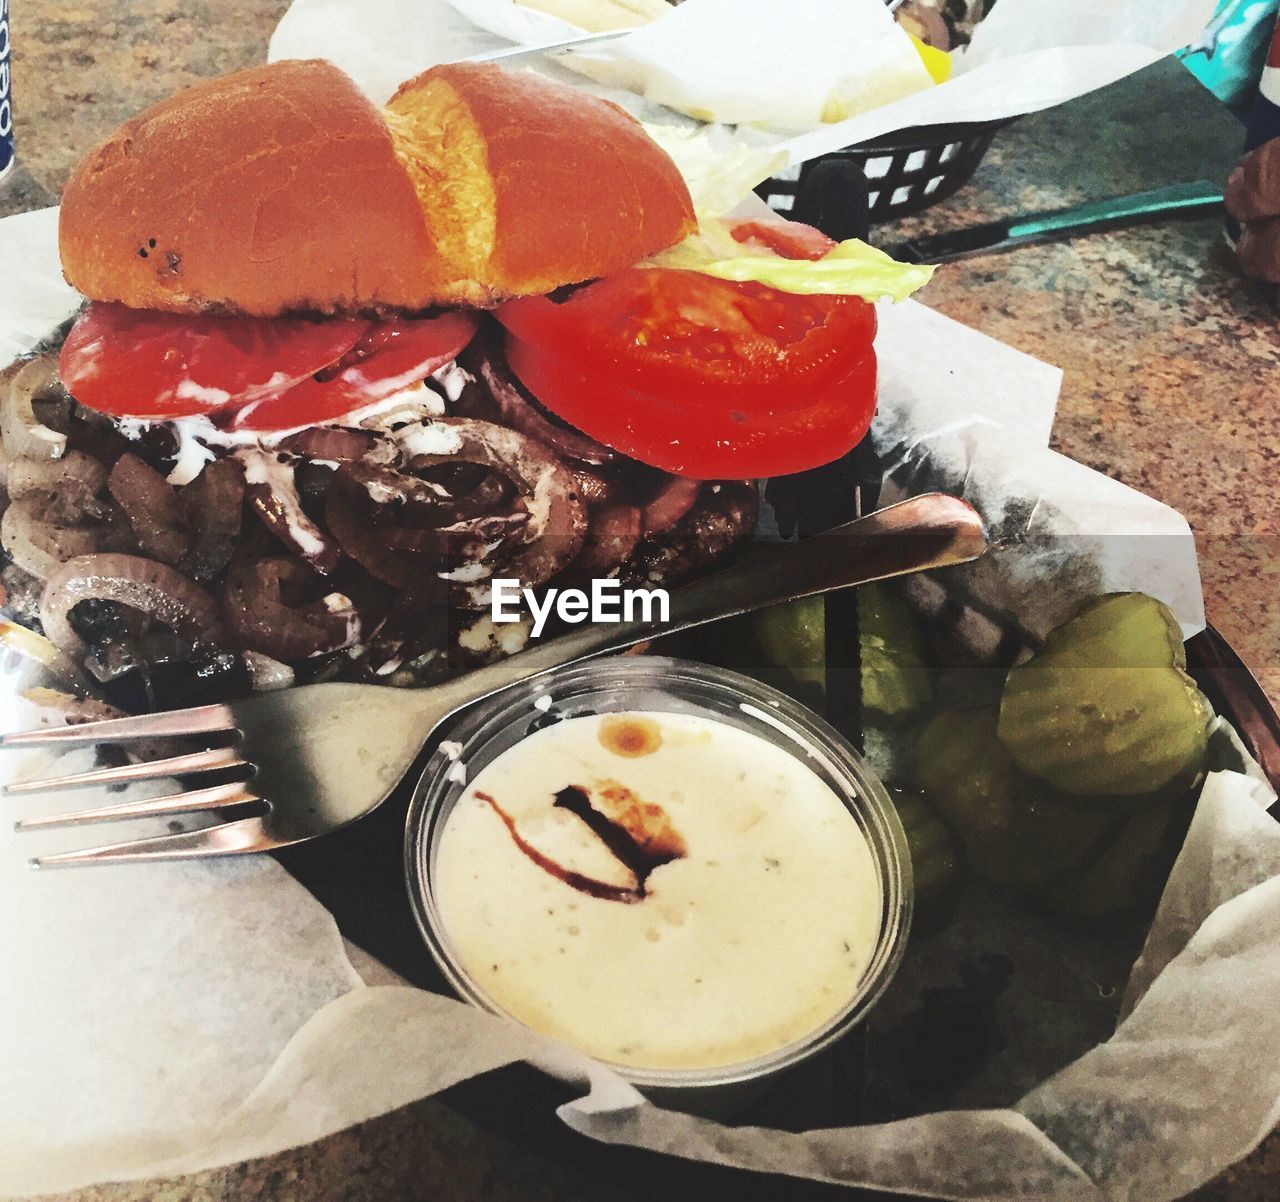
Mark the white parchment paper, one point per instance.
(167, 1018)
(742, 61)
(767, 65)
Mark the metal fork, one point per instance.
(583, 41)
(318, 757)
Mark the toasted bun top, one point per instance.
(271, 189)
(282, 188)
(530, 185)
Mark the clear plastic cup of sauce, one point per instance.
(674, 868)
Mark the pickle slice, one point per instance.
(936, 866)
(1106, 706)
(1011, 834)
(791, 640)
(895, 680)
(1126, 875)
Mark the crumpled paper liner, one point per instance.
(34, 297)
(1048, 517)
(166, 1018)
(1186, 1086)
(1026, 55)
(741, 61)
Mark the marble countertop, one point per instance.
(1170, 363)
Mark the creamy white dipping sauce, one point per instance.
(753, 930)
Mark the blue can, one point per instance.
(6, 93)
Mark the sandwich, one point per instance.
(341, 366)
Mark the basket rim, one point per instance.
(925, 137)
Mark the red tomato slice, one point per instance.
(704, 377)
(705, 341)
(140, 363)
(701, 442)
(393, 355)
(777, 235)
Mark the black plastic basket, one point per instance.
(848, 190)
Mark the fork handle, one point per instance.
(929, 531)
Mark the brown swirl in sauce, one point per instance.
(638, 834)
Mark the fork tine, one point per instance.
(214, 798)
(178, 765)
(241, 837)
(204, 719)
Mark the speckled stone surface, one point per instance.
(1171, 385)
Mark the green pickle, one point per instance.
(936, 865)
(791, 642)
(1012, 835)
(1126, 875)
(895, 677)
(1105, 709)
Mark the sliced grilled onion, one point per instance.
(152, 507)
(557, 523)
(475, 491)
(118, 657)
(273, 493)
(674, 498)
(38, 541)
(333, 443)
(410, 540)
(258, 615)
(22, 433)
(21, 591)
(415, 627)
(74, 710)
(594, 487)
(359, 544)
(611, 538)
(385, 486)
(66, 490)
(77, 477)
(267, 674)
(522, 411)
(461, 538)
(156, 589)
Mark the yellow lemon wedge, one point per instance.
(936, 62)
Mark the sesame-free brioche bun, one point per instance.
(528, 185)
(284, 189)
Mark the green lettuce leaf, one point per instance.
(850, 268)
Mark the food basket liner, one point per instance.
(1027, 55)
(172, 1017)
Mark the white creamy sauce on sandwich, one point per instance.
(453, 379)
(540, 503)
(742, 918)
(468, 573)
(485, 636)
(264, 467)
(343, 606)
(430, 438)
(199, 439)
(407, 405)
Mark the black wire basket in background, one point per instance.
(847, 191)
